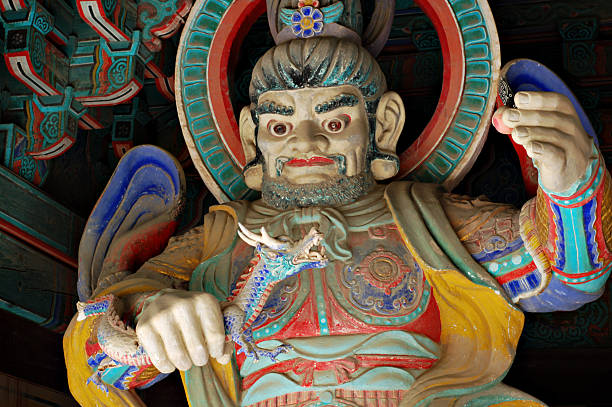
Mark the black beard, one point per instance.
(340, 190)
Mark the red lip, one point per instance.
(310, 162)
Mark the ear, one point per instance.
(390, 117)
(254, 174)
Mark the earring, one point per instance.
(253, 174)
(384, 167)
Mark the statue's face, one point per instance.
(313, 135)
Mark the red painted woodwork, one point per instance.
(44, 247)
(236, 22)
(451, 42)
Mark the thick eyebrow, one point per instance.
(344, 99)
(272, 108)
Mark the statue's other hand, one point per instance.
(546, 124)
(180, 329)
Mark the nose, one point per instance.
(306, 138)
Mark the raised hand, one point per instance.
(546, 124)
(180, 329)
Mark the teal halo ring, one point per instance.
(442, 154)
(452, 140)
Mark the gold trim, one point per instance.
(606, 211)
(541, 218)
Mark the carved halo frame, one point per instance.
(443, 153)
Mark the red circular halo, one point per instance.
(239, 18)
(235, 25)
(451, 41)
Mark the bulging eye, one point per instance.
(279, 129)
(336, 125)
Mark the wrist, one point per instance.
(582, 190)
(144, 301)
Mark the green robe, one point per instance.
(480, 327)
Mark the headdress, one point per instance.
(290, 19)
(446, 148)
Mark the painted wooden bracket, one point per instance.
(154, 22)
(13, 149)
(160, 20)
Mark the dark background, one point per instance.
(563, 358)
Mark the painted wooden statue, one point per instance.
(333, 288)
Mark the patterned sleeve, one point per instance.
(104, 330)
(571, 235)
(553, 254)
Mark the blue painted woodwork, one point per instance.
(146, 187)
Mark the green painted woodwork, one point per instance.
(35, 286)
(28, 209)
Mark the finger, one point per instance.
(546, 155)
(211, 320)
(548, 101)
(225, 359)
(515, 118)
(227, 353)
(193, 337)
(498, 122)
(154, 347)
(523, 135)
(175, 348)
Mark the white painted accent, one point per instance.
(94, 14)
(30, 78)
(120, 96)
(54, 150)
(12, 5)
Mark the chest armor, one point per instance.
(381, 288)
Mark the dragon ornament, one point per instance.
(274, 261)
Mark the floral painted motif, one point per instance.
(307, 22)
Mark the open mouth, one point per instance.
(309, 162)
(313, 251)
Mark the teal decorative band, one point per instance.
(455, 152)
(215, 162)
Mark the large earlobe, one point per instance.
(253, 174)
(390, 117)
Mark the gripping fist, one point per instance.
(547, 125)
(180, 329)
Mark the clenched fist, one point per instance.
(546, 124)
(180, 329)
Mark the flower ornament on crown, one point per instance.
(309, 20)
(302, 19)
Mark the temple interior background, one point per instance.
(563, 358)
